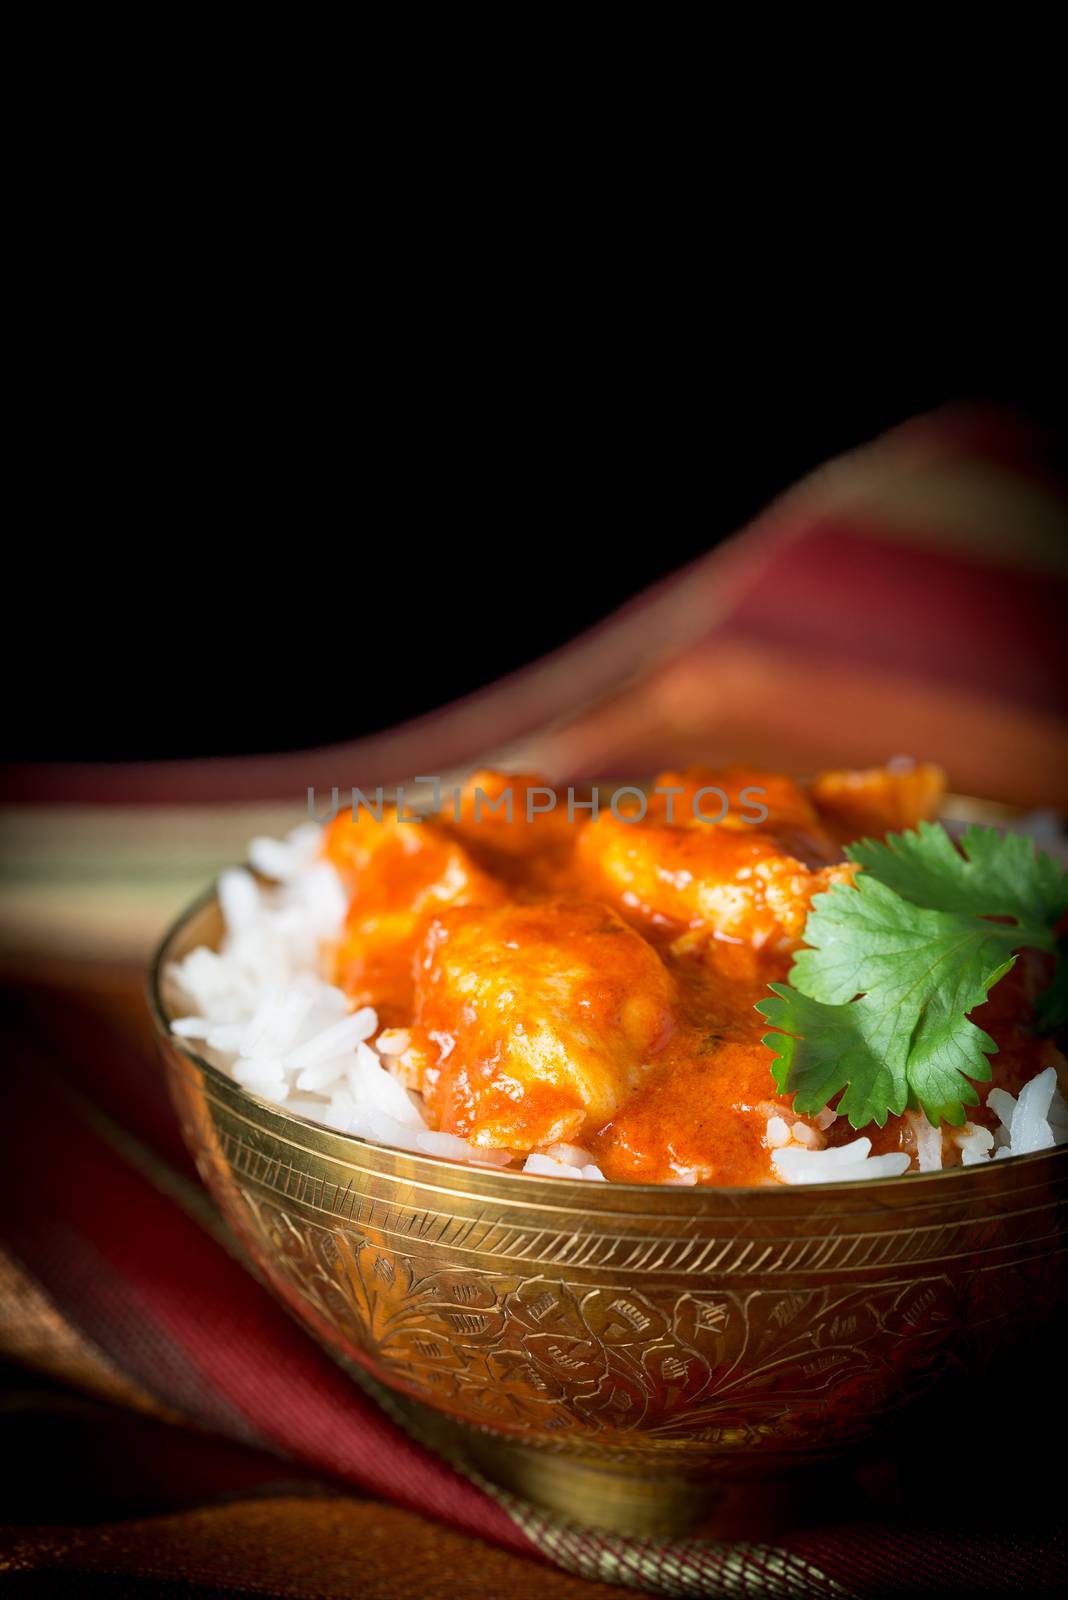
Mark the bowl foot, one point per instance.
(649, 1503)
(596, 1495)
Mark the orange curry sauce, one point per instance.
(560, 979)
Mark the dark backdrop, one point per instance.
(234, 576)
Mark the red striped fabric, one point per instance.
(845, 593)
(167, 1303)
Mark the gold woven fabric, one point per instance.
(303, 1549)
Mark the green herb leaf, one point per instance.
(877, 1007)
(998, 875)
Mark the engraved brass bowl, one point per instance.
(606, 1348)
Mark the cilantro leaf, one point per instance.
(878, 1007)
(998, 875)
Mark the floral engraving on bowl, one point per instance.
(730, 1368)
(542, 1326)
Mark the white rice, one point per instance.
(975, 1144)
(928, 1142)
(843, 1164)
(259, 1009)
(1036, 1121)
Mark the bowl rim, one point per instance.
(442, 1165)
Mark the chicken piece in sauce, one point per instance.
(741, 880)
(739, 799)
(514, 815)
(544, 1018)
(518, 828)
(398, 873)
(882, 800)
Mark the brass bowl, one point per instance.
(609, 1348)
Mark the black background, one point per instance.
(247, 567)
